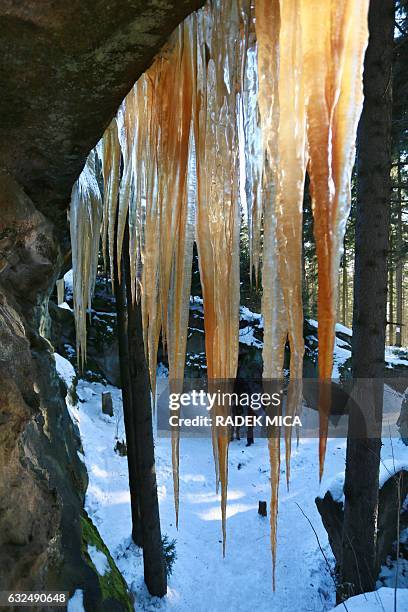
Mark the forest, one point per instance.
(203, 306)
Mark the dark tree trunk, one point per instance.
(128, 411)
(153, 557)
(358, 571)
(391, 294)
(345, 288)
(399, 278)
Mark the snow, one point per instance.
(390, 467)
(342, 329)
(334, 485)
(162, 371)
(388, 571)
(76, 603)
(342, 350)
(99, 560)
(244, 578)
(246, 336)
(394, 458)
(65, 370)
(248, 315)
(392, 356)
(247, 567)
(340, 355)
(65, 306)
(69, 283)
(224, 584)
(381, 600)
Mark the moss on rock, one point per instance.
(112, 583)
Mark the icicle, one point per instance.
(273, 306)
(333, 64)
(174, 148)
(289, 198)
(218, 214)
(181, 240)
(137, 205)
(126, 135)
(111, 178)
(85, 227)
(253, 151)
(275, 333)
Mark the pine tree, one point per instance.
(358, 571)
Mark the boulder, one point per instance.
(332, 514)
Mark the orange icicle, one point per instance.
(171, 165)
(182, 239)
(273, 305)
(333, 64)
(218, 214)
(111, 177)
(289, 197)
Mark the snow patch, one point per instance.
(99, 560)
(249, 315)
(246, 336)
(393, 358)
(65, 370)
(334, 486)
(76, 603)
(342, 329)
(388, 468)
(381, 600)
(69, 282)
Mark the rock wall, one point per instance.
(64, 69)
(42, 480)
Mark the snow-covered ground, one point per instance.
(202, 580)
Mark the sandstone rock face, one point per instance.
(42, 480)
(64, 69)
(41, 477)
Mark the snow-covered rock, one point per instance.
(381, 601)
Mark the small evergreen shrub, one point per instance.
(170, 555)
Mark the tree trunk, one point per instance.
(358, 571)
(128, 405)
(391, 295)
(345, 288)
(400, 265)
(153, 557)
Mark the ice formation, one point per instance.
(85, 227)
(235, 76)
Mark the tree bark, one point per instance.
(345, 288)
(400, 264)
(359, 567)
(128, 404)
(153, 557)
(391, 295)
